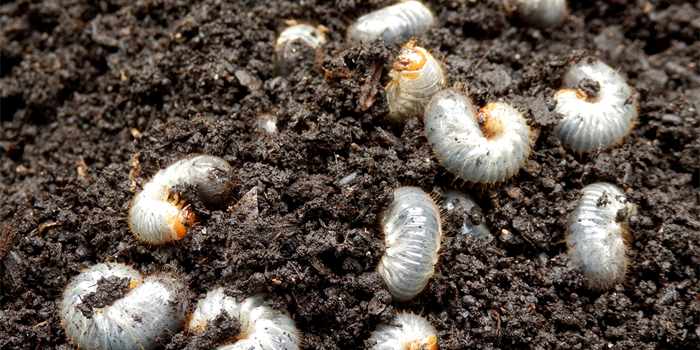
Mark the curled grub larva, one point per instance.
(416, 77)
(405, 332)
(158, 216)
(485, 146)
(96, 313)
(261, 327)
(458, 201)
(413, 232)
(287, 54)
(596, 107)
(405, 19)
(598, 235)
(539, 13)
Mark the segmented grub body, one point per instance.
(405, 332)
(416, 77)
(598, 235)
(596, 107)
(405, 20)
(158, 216)
(144, 318)
(287, 54)
(261, 327)
(485, 146)
(413, 233)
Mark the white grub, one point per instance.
(485, 146)
(286, 54)
(158, 216)
(145, 317)
(539, 13)
(261, 327)
(596, 107)
(405, 332)
(413, 233)
(405, 20)
(598, 234)
(416, 77)
(455, 200)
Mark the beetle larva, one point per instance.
(413, 232)
(405, 332)
(539, 13)
(287, 55)
(485, 146)
(261, 327)
(598, 233)
(156, 217)
(405, 19)
(416, 77)
(151, 310)
(596, 107)
(456, 200)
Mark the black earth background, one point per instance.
(98, 96)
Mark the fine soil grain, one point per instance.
(96, 97)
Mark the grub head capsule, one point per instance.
(404, 20)
(406, 331)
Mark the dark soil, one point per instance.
(98, 96)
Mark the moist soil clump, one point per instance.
(97, 97)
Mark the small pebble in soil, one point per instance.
(596, 107)
(404, 20)
(260, 326)
(416, 77)
(485, 146)
(110, 307)
(158, 215)
(413, 233)
(598, 235)
(405, 331)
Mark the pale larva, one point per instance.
(416, 77)
(405, 332)
(539, 13)
(413, 232)
(456, 200)
(261, 327)
(287, 55)
(596, 107)
(151, 310)
(485, 146)
(598, 233)
(158, 217)
(405, 19)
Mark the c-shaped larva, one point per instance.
(416, 77)
(539, 13)
(151, 310)
(457, 200)
(406, 19)
(261, 327)
(413, 233)
(596, 107)
(405, 332)
(286, 54)
(598, 234)
(156, 217)
(485, 146)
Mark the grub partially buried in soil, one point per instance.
(96, 98)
